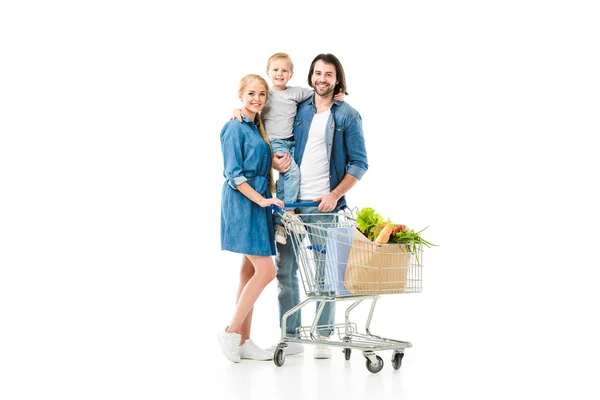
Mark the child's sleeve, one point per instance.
(301, 94)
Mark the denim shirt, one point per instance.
(246, 227)
(244, 156)
(346, 148)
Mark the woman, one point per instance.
(246, 215)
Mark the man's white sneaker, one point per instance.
(321, 352)
(230, 345)
(250, 351)
(296, 224)
(291, 349)
(280, 234)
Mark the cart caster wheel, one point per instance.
(397, 360)
(279, 357)
(375, 367)
(347, 353)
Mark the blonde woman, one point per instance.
(246, 214)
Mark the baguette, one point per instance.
(384, 235)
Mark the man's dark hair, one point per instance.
(339, 71)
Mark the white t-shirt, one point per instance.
(314, 169)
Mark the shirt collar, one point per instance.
(334, 103)
(248, 120)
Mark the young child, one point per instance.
(279, 115)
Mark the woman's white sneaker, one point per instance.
(250, 351)
(230, 345)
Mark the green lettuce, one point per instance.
(367, 220)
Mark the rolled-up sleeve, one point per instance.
(232, 142)
(355, 146)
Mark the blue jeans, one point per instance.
(287, 278)
(288, 187)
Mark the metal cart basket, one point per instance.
(337, 263)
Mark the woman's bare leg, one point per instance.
(246, 272)
(263, 273)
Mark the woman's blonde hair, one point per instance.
(246, 80)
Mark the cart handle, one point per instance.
(302, 204)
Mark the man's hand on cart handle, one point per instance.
(327, 202)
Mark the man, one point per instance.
(331, 154)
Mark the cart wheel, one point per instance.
(375, 368)
(397, 360)
(347, 353)
(279, 357)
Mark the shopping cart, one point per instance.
(337, 263)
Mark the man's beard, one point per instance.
(329, 90)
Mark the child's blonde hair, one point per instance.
(280, 56)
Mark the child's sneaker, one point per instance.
(280, 234)
(296, 224)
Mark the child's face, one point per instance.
(279, 73)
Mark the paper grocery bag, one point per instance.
(376, 269)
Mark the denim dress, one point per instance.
(246, 227)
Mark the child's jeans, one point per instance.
(288, 187)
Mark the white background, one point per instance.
(480, 121)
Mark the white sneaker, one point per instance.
(280, 234)
(296, 224)
(230, 345)
(291, 349)
(251, 351)
(321, 352)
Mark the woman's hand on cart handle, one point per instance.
(272, 201)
